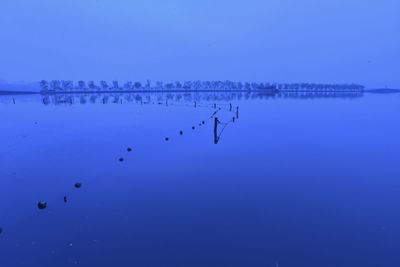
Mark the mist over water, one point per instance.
(341, 41)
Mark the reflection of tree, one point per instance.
(93, 99)
(82, 100)
(190, 97)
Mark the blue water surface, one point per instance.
(292, 182)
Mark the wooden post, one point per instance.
(237, 112)
(215, 130)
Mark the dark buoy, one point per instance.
(42, 205)
(166, 138)
(65, 199)
(121, 159)
(193, 127)
(203, 122)
(77, 185)
(129, 149)
(181, 132)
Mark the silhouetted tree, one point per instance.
(104, 85)
(138, 85)
(44, 85)
(148, 85)
(115, 85)
(55, 85)
(178, 85)
(128, 86)
(82, 85)
(67, 85)
(92, 86)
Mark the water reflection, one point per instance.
(193, 97)
(188, 191)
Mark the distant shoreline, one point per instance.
(383, 91)
(10, 92)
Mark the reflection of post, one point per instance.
(14, 100)
(215, 130)
(237, 112)
(230, 106)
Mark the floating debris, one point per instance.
(121, 159)
(181, 132)
(129, 149)
(78, 185)
(42, 205)
(65, 199)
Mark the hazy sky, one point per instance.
(252, 40)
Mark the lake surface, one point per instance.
(291, 182)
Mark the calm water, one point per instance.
(292, 182)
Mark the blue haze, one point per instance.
(335, 41)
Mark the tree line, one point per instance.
(69, 86)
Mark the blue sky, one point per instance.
(270, 40)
